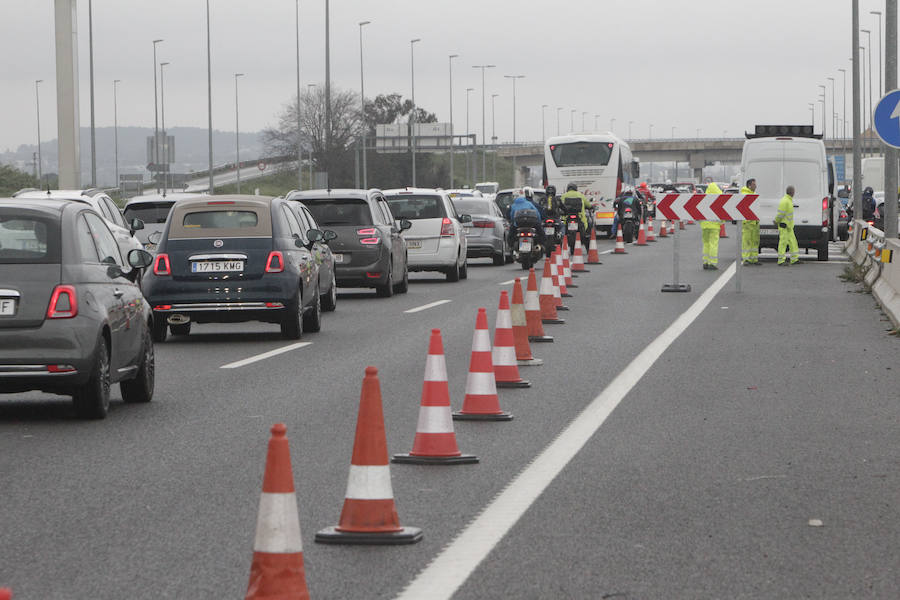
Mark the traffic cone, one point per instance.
(557, 289)
(5, 594)
(560, 280)
(369, 515)
(690, 222)
(520, 327)
(481, 402)
(681, 224)
(567, 269)
(651, 237)
(620, 242)
(593, 257)
(547, 297)
(506, 369)
(722, 232)
(277, 568)
(642, 235)
(533, 311)
(663, 229)
(435, 442)
(578, 255)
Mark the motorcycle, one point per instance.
(528, 250)
(552, 233)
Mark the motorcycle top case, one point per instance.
(573, 205)
(527, 217)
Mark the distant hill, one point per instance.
(191, 151)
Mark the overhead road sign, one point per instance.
(887, 119)
(708, 207)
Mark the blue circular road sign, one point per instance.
(887, 119)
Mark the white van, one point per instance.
(873, 173)
(798, 159)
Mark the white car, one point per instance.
(105, 207)
(437, 239)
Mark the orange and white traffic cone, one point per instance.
(503, 355)
(277, 569)
(435, 442)
(560, 280)
(690, 221)
(593, 257)
(663, 229)
(369, 515)
(722, 232)
(578, 255)
(533, 311)
(642, 235)
(520, 327)
(5, 594)
(651, 237)
(681, 224)
(620, 241)
(567, 269)
(557, 288)
(547, 296)
(481, 402)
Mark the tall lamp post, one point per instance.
(116, 126)
(812, 113)
(833, 108)
(543, 115)
(844, 106)
(824, 111)
(37, 101)
(237, 134)
(494, 137)
(630, 123)
(877, 13)
(650, 132)
(468, 149)
(362, 107)
(209, 91)
(514, 77)
(612, 123)
(869, 60)
(162, 114)
(583, 115)
(558, 110)
(572, 120)
(91, 68)
(483, 128)
(155, 120)
(412, 121)
(450, 63)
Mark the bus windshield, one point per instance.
(581, 154)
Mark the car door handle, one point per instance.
(118, 293)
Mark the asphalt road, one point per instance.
(775, 408)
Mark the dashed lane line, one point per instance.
(265, 355)
(450, 569)
(426, 306)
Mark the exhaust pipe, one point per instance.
(178, 319)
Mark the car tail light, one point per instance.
(275, 262)
(825, 211)
(370, 241)
(163, 307)
(373, 275)
(483, 224)
(368, 231)
(843, 214)
(526, 234)
(274, 305)
(446, 227)
(161, 265)
(63, 303)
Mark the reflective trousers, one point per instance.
(787, 239)
(710, 231)
(750, 241)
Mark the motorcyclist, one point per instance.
(868, 204)
(525, 202)
(626, 199)
(576, 203)
(552, 204)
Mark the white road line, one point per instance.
(511, 281)
(426, 306)
(265, 355)
(450, 569)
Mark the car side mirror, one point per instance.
(465, 218)
(314, 235)
(405, 224)
(329, 235)
(136, 225)
(155, 237)
(139, 259)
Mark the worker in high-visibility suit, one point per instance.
(579, 203)
(710, 232)
(750, 232)
(784, 218)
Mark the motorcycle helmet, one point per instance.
(528, 192)
(571, 188)
(551, 190)
(643, 185)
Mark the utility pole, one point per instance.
(362, 106)
(450, 63)
(857, 160)
(483, 128)
(890, 154)
(91, 67)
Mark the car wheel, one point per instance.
(292, 324)
(464, 270)
(386, 290)
(159, 329)
(403, 286)
(92, 399)
(181, 328)
(510, 257)
(312, 318)
(500, 257)
(140, 389)
(453, 272)
(329, 300)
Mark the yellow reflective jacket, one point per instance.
(785, 212)
(585, 205)
(712, 188)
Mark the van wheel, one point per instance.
(453, 272)
(92, 399)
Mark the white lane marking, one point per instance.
(510, 282)
(450, 569)
(265, 355)
(427, 306)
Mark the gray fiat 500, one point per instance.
(72, 319)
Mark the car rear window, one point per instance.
(28, 240)
(211, 220)
(417, 206)
(472, 206)
(149, 212)
(339, 211)
(220, 219)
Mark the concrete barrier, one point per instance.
(886, 288)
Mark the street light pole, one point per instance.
(543, 118)
(37, 101)
(869, 60)
(494, 137)
(155, 120)
(91, 61)
(812, 113)
(583, 115)
(890, 83)
(362, 106)
(237, 135)
(450, 63)
(824, 112)
(468, 149)
(650, 132)
(572, 120)
(412, 121)
(857, 159)
(483, 120)
(299, 118)
(844, 107)
(116, 127)
(877, 13)
(514, 77)
(673, 132)
(612, 123)
(833, 109)
(630, 123)
(209, 98)
(326, 155)
(162, 111)
(558, 110)
(309, 87)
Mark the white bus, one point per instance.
(601, 165)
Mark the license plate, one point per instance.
(414, 244)
(549, 230)
(217, 266)
(768, 232)
(525, 246)
(7, 307)
(573, 226)
(338, 258)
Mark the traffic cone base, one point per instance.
(461, 416)
(540, 339)
(522, 383)
(411, 459)
(406, 535)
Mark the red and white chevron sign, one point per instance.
(708, 207)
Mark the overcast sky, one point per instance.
(714, 65)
